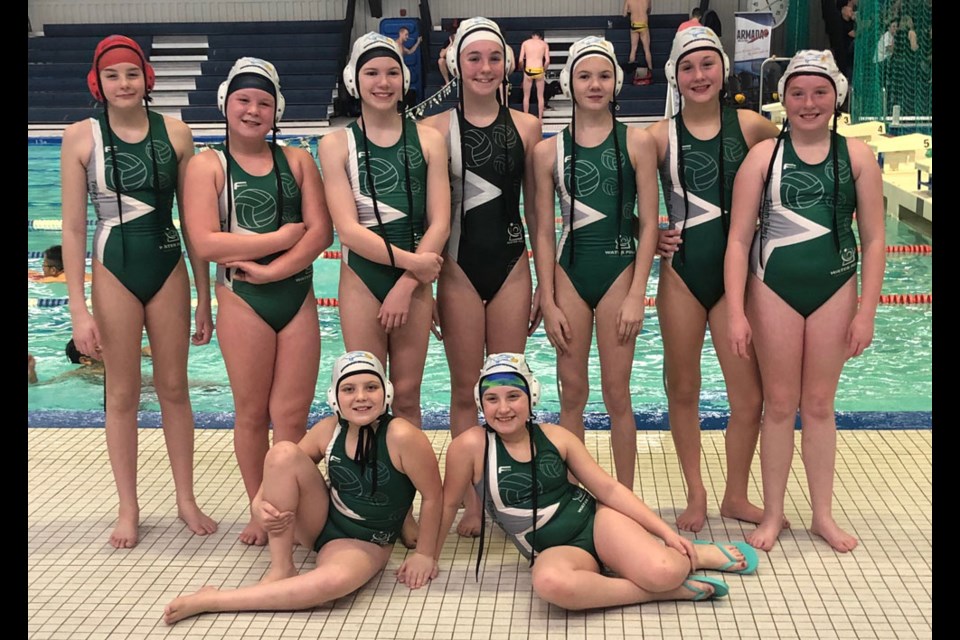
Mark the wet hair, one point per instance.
(73, 354)
(54, 255)
(695, 12)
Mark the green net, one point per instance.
(893, 64)
(797, 27)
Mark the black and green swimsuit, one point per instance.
(403, 228)
(565, 512)
(357, 512)
(254, 210)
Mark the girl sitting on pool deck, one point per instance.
(569, 533)
(801, 308)
(376, 463)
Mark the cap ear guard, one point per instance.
(591, 45)
(508, 363)
(473, 25)
(815, 63)
(694, 39)
(354, 362)
(115, 42)
(258, 67)
(369, 42)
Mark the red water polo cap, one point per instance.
(114, 50)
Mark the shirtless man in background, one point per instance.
(639, 11)
(534, 60)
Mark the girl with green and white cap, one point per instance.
(600, 170)
(257, 209)
(591, 547)
(792, 285)
(376, 463)
(699, 151)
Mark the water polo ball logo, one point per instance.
(516, 488)
(609, 159)
(848, 255)
(588, 177)
(414, 155)
(504, 136)
(551, 465)
(477, 148)
(133, 172)
(291, 212)
(345, 481)
(843, 171)
(383, 474)
(733, 151)
(610, 186)
(256, 209)
(163, 154)
(801, 190)
(385, 176)
(503, 163)
(700, 170)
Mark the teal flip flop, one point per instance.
(749, 554)
(720, 588)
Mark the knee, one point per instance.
(282, 455)
(555, 587)
(616, 397)
(780, 407)
(664, 572)
(123, 397)
(816, 408)
(684, 390)
(574, 395)
(171, 388)
(748, 406)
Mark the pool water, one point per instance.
(893, 375)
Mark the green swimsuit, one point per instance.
(801, 263)
(255, 211)
(700, 263)
(602, 245)
(143, 249)
(403, 229)
(565, 512)
(355, 511)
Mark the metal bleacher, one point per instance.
(560, 32)
(190, 60)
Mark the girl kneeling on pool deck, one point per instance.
(570, 533)
(376, 464)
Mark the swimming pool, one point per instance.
(890, 385)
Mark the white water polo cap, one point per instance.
(352, 363)
(252, 73)
(512, 364)
(586, 48)
(811, 62)
(367, 47)
(694, 39)
(472, 30)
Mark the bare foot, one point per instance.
(765, 535)
(410, 531)
(695, 515)
(469, 526)
(836, 537)
(279, 573)
(196, 520)
(125, 535)
(253, 534)
(186, 606)
(745, 511)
